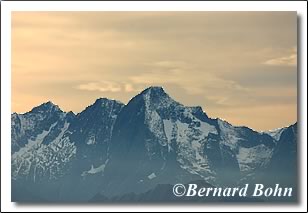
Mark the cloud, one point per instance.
(290, 60)
(170, 64)
(192, 79)
(109, 86)
(102, 86)
(128, 87)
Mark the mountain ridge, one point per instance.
(159, 88)
(115, 149)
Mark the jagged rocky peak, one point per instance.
(70, 113)
(14, 115)
(154, 89)
(155, 96)
(103, 103)
(47, 107)
(198, 111)
(106, 102)
(155, 92)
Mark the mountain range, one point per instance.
(112, 151)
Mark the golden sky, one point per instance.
(239, 66)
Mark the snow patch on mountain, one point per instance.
(91, 140)
(94, 170)
(255, 157)
(57, 140)
(190, 140)
(249, 159)
(275, 133)
(168, 127)
(38, 160)
(33, 144)
(229, 135)
(152, 118)
(152, 176)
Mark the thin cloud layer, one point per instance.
(290, 60)
(103, 86)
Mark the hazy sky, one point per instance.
(239, 66)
